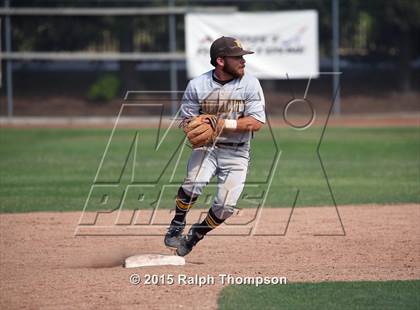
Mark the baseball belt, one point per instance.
(230, 144)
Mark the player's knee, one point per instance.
(193, 189)
(223, 212)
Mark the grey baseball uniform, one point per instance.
(228, 158)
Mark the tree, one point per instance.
(404, 18)
(394, 34)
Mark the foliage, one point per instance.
(370, 31)
(104, 89)
(149, 33)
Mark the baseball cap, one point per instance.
(226, 46)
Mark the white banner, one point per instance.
(285, 43)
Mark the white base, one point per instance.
(153, 260)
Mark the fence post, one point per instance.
(173, 68)
(9, 77)
(336, 57)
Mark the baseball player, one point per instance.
(228, 106)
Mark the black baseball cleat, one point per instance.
(186, 243)
(174, 234)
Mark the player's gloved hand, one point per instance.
(202, 130)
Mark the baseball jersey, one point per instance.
(238, 98)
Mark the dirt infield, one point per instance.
(44, 266)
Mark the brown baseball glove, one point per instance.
(202, 130)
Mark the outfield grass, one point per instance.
(53, 169)
(325, 296)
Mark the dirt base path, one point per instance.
(44, 266)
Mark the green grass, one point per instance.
(53, 169)
(324, 296)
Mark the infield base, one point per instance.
(144, 260)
